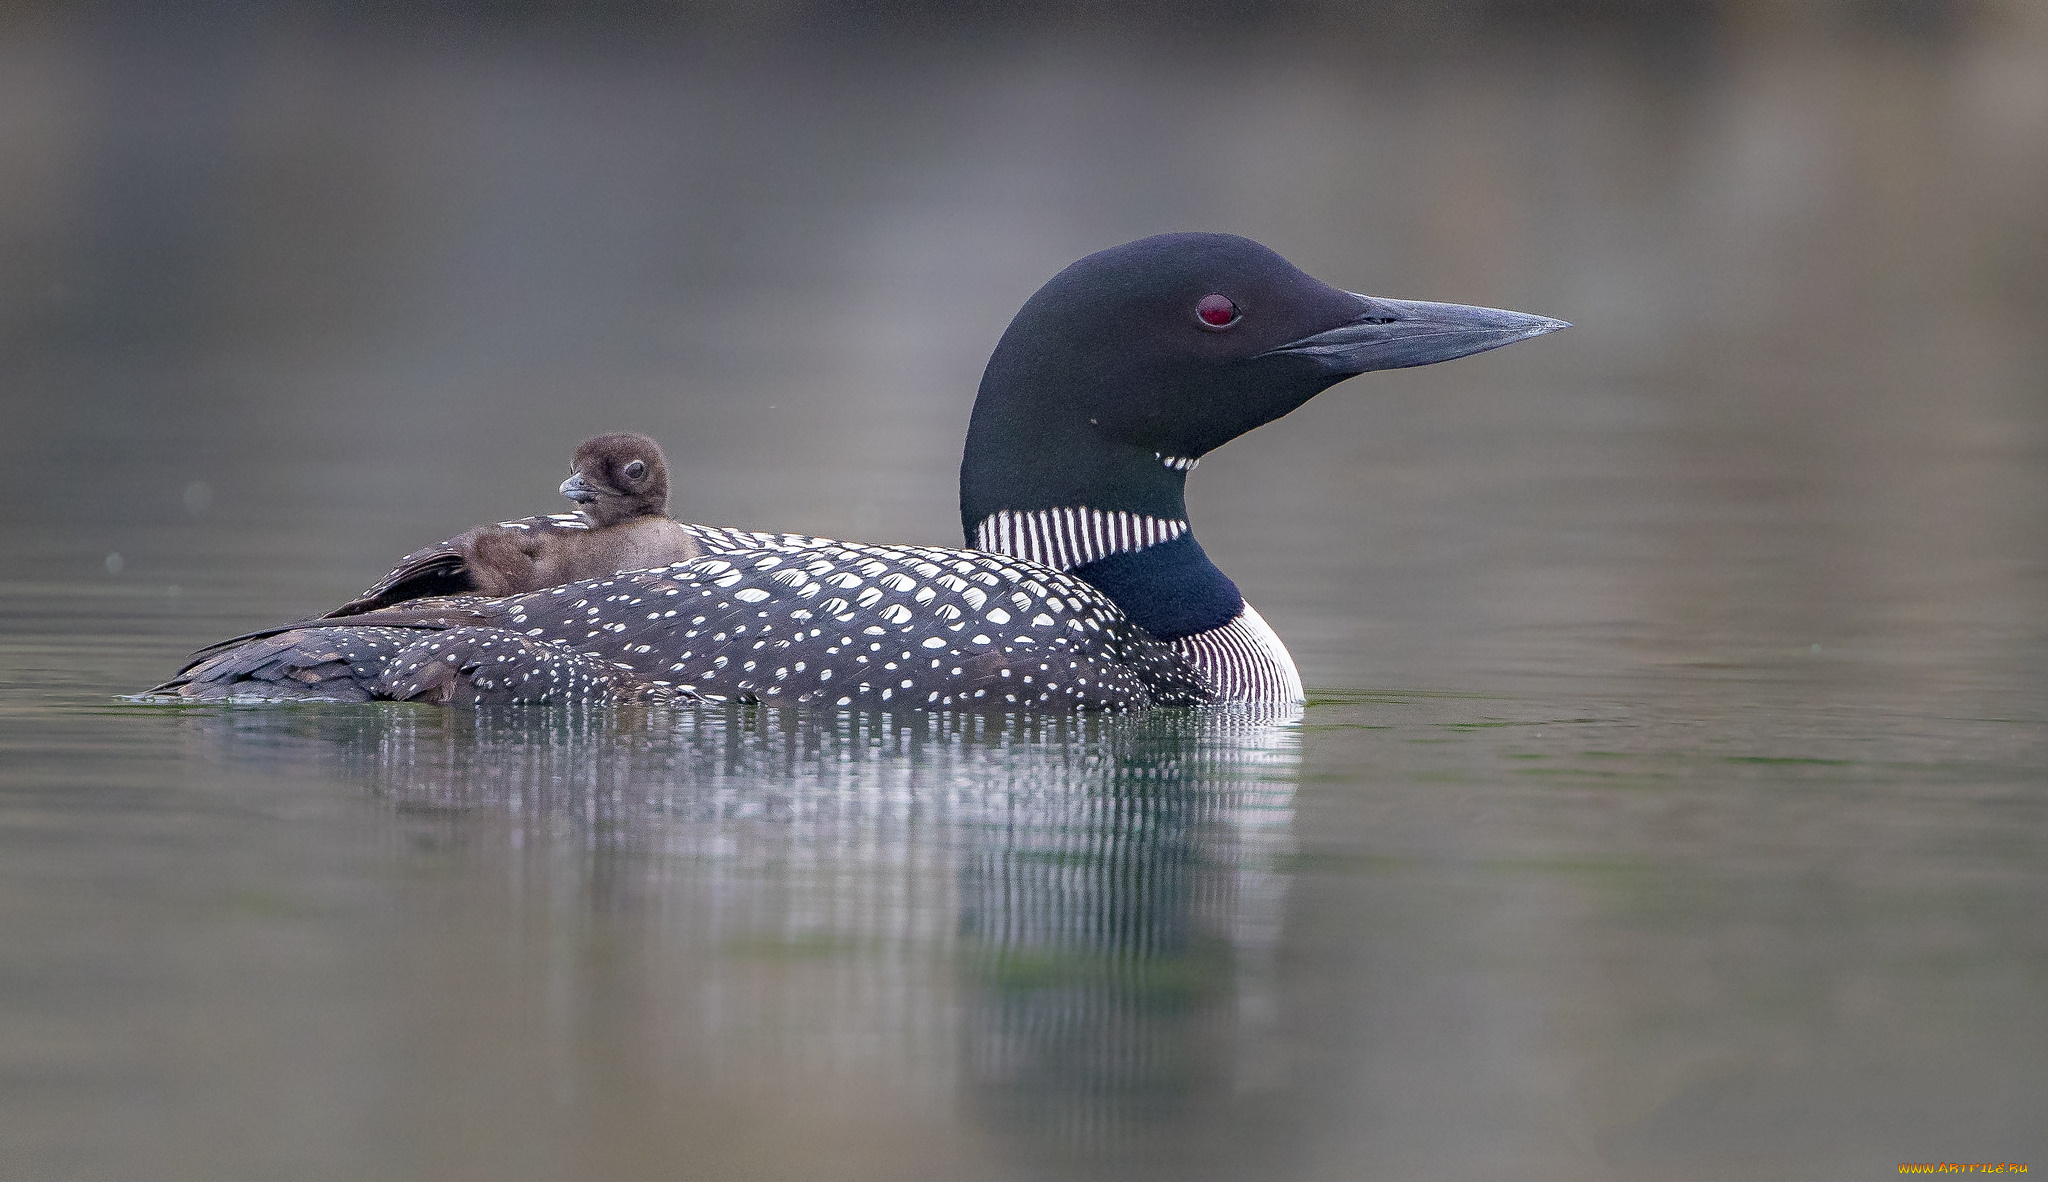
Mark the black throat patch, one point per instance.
(1170, 590)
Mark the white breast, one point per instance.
(1243, 661)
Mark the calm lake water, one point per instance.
(1672, 802)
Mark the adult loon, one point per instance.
(620, 485)
(1086, 588)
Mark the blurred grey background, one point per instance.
(1671, 805)
(290, 288)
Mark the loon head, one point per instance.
(618, 477)
(1136, 361)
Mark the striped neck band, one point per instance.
(1074, 536)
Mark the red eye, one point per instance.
(1216, 311)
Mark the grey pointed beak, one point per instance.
(577, 491)
(1399, 334)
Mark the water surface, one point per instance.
(1672, 802)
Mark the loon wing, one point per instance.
(449, 666)
(435, 614)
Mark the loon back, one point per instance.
(1086, 589)
(760, 618)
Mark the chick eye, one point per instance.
(1216, 312)
(635, 470)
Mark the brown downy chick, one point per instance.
(619, 482)
(616, 478)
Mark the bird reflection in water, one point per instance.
(1066, 923)
(1120, 926)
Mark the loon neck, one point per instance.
(1057, 489)
(1071, 537)
(1050, 462)
(1152, 567)
(1171, 590)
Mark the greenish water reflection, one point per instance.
(1673, 803)
(1096, 900)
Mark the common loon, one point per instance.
(1085, 588)
(620, 484)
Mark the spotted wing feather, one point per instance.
(464, 665)
(316, 664)
(857, 625)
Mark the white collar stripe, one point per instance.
(1068, 537)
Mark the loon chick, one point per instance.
(620, 483)
(1086, 587)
